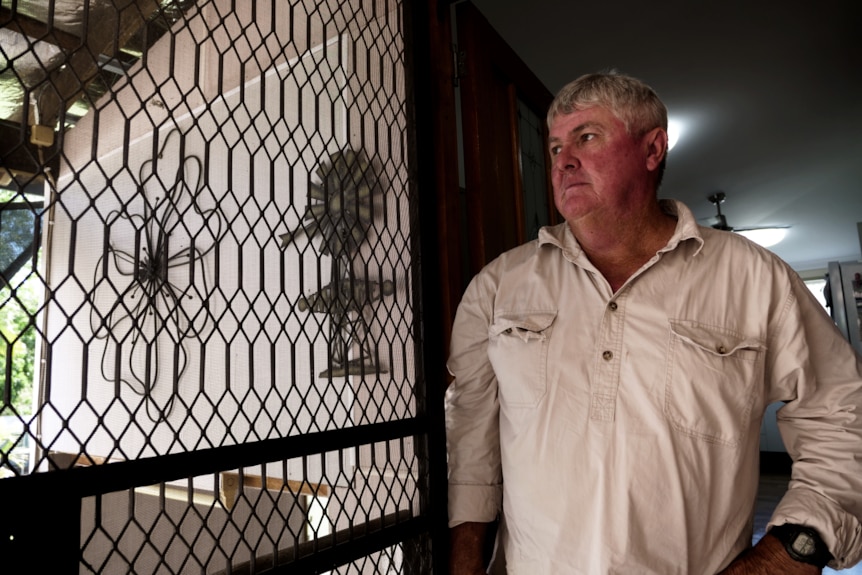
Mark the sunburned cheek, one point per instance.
(610, 156)
(560, 196)
(618, 163)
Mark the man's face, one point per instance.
(598, 170)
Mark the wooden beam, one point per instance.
(286, 556)
(63, 460)
(38, 30)
(230, 485)
(109, 28)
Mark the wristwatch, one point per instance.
(802, 544)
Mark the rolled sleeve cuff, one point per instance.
(474, 503)
(840, 530)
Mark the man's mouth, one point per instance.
(568, 184)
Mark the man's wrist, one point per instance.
(802, 543)
(466, 548)
(769, 557)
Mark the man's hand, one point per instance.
(769, 557)
(467, 542)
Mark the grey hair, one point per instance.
(633, 102)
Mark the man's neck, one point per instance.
(619, 248)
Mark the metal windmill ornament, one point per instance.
(339, 206)
(340, 211)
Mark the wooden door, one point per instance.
(500, 99)
(503, 109)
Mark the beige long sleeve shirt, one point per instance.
(620, 432)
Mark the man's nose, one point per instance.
(565, 160)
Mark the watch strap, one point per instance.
(802, 543)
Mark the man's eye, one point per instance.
(555, 150)
(587, 137)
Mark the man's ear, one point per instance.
(656, 147)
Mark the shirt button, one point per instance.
(722, 350)
(613, 306)
(608, 355)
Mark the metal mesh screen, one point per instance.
(216, 254)
(250, 519)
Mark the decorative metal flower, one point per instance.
(339, 206)
(154, 260)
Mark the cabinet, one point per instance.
(844, 298)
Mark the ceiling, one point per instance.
(41, 83)
(769, 91)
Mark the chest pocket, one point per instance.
(711, 375)
(518, 350)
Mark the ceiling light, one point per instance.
(674, 129)
(765, 237)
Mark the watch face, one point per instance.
(804, 544)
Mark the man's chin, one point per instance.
(574, 210)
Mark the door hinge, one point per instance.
(460, 65)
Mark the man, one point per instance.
(611, 378)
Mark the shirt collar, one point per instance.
(686, 226)
(686, 229)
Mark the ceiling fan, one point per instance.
(764, 235)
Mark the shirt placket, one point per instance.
(605, 386)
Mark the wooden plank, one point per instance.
(61, 460)
(230, 485)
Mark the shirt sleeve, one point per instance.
(472, 412)
(819, 376)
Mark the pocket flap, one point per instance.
(712, 339)
(533, 321)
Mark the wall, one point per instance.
(176, 320)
